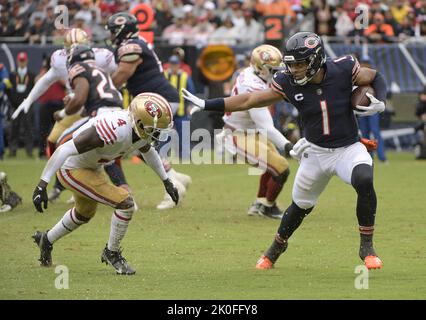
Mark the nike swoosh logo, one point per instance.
(36, 197)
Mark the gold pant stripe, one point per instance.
(93, 185)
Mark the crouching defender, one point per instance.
(79, 162)
(321, 90)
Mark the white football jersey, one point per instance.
(103, 57)
(246, 82)
(255, 118)
(115, 129)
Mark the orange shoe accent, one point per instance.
(373, 262)
(136, 160)
(264, 263)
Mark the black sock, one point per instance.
(366, 242)
(290, 221)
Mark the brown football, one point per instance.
(359, 97)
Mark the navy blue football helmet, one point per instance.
(304, 47)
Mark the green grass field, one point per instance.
(207, 248)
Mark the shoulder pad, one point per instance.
(132, 49)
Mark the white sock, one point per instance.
(119, 223)
(66, 225)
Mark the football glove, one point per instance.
(39, 198)
(376, 106)
(24, 106)
(199, 104)
(171, 190)
(299, 148)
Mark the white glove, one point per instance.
(376, 106)
(299, 148)
(24, 106)
(194, 110)
(200, 103)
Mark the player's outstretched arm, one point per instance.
(37, 91)
(152, 158)
(375, 79)
(239, 102)
(84, 142)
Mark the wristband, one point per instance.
(217, 104)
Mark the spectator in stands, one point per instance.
(81, 22)
(180, 53)
(180, 79)
(226, 34)
(210, 8)
(323, 17)
(406, 29)
(344, 24)
(379, 31)
(251, 33)
(99, 33)
(22, 83)
(4, 85)
(420, 10)
(6, 24)
(36, 33)
(377, 6)
(49, 22)
(400, 10)
(199, 35)
(19, 29)
(274, 8)
(176, 33)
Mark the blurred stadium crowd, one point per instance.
(200, 22)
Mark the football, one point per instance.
(359, 97)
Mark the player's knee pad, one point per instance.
(116, 174)
(282, 177)
(84, 218)
(126, 208)
(362, 178)
(127, 204)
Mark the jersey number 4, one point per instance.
(325, 119)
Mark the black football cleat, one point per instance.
(117, 261)
(40, 238)
(271, 212)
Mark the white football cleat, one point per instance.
(182, 178)
(167, 202)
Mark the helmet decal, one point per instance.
(265, 56)
(120, 20)
(153, 109)
(311, 42)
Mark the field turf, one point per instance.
(207, 248)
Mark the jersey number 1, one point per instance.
(325, 121)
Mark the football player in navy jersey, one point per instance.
(140, 68)
(320, 89)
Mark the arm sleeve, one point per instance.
(58, 158)
(152, 158)
(379, 86)
(263, 119)
(276, 84)
(42, 85)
